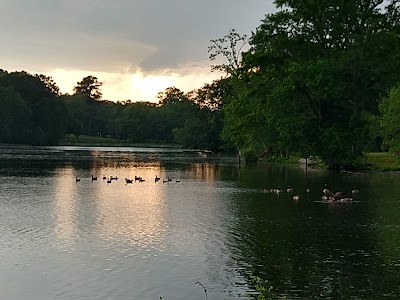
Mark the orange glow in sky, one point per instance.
(137, 86)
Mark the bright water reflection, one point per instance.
(63, 239)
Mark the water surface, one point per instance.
(63, 239)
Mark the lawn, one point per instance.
(382, 161)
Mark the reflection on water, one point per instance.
(63, 239)
(64, 205)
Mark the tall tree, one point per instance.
(230, 48)
(89, 86)
(15, 117)
(49, 83)
(389, 119)
(312, 77)
(213, 95)
(48, 113)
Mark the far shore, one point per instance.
(370, 162)
(94, 141)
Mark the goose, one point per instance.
(332, 199)
(308, 190)
(94, 178)
(141, 179)
(109, 180)
(104, 177)
(177, 180)
(326, 191)
(296, 197)
(137, 178)
(77, 179)
(113, 178)
(355, 191)
(156, 179)
(165, 181)
(128, 180)
(289, 189)
(339, 195)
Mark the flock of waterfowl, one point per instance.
(328, 195)
(129, 181)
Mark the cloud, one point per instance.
(109, 35)
(136, 47)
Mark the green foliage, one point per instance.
(213, 95)
(12, 111)
(81, 112)
(49, 83)
(32, 111)
(263, 288)
(311, 81)
(389, 108)
(176, 119)
(136, 122)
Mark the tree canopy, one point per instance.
(90, 86)
(33, 111)
(313, 77)
(389, 119)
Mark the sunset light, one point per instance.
(136, 85)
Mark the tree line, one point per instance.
(319, 78)
(33, 111)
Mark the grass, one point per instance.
(293, 160)
(382, 161)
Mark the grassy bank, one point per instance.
(382, 161)
(293, 160)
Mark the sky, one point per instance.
(136, 48)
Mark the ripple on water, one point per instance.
(93, 240)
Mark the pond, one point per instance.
(213, 223)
